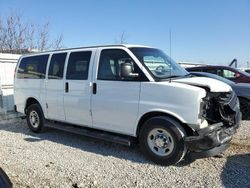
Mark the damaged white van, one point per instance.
(127, 93)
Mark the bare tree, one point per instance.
(16, 35)
(43, 37)
(30, 35)
(57, 44)
(2, 35)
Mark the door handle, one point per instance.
(94, 90)
(66, 87)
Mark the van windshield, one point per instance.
(158, 63)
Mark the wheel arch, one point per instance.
(151, 114)
(30, 101)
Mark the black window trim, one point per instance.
(64, 67)
(30, 56)
(92, 53)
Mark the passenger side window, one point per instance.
(110, 64)
(78, 65)
(228, 73)
(56, 66)
(33, 67)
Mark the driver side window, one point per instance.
(110, 65)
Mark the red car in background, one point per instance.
(227, 72)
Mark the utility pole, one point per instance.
(170, 45)
(170, 51)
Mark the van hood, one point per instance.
(212, 84)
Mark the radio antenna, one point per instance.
(170, 51)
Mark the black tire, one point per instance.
(169, 133)
(35, 118)
(245, 108)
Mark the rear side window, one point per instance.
(33, 67)
(56, 66)
(78, 65)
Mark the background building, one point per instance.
(7, 69)
(186, 64)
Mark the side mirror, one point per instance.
(127, 71)
(237, 75)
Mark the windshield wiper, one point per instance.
(173, 76)
(189, 75)
(168, 78)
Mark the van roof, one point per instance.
(97, 46)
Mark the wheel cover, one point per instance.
(160, 142)
(34, 119)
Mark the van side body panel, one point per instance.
(169, 97)
(28, 88)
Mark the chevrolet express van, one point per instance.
(127, 93)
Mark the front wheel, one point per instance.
(35, 118)
(162, 140)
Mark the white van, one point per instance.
(126, 93)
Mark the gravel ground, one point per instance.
(58, 159)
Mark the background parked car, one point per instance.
(248, 70)
(224, 71)
(241, 89)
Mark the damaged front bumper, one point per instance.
(215, 138)
(210, 141)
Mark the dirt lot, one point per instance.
(59, 159)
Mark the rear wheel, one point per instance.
(245, 108)
(35, 118)
(161, 140)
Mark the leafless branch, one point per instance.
(57, 44)
(43, 37)
(17, 35)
